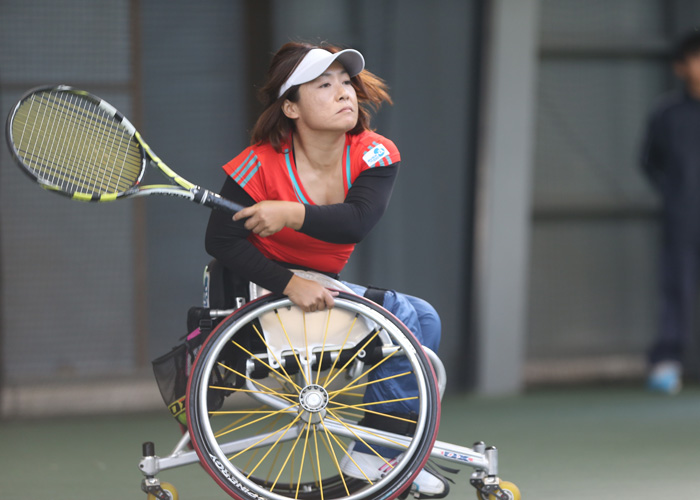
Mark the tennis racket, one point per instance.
(74, 143)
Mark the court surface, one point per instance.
(581, 443)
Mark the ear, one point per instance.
(680, 68)
(290, 110)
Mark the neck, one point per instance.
(320, 151)
(693, 91)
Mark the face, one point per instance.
(689, 70)
(328, 103)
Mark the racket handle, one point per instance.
(213, 200)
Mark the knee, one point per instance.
(429, 320)
(425, 311)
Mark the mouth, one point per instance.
(347, 109)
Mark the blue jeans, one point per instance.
(423, 321)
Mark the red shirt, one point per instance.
(268, 175)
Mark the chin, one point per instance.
(351, 124)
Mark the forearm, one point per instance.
(352, 220)
(226, 240)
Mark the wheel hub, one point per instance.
(313, 400)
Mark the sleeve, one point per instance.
(245, 169)
(226, 241)
(374, 151)
(352, 220)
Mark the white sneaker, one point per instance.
(375, 468)
(369, 466)
(428, 483)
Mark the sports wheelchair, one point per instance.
(274, 399)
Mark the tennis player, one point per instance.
(315, 180)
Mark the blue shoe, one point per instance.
(665, 377)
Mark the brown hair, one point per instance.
(274, 127)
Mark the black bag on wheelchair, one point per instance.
(172, 371)
(222, 290)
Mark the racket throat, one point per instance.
(201, 196)
(214, 201)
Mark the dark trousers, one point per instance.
(680, 259)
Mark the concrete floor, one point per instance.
(581, 443)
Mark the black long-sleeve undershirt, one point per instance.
(347, 222)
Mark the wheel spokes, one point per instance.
(350, 386)
(293, 445)
(360, 440)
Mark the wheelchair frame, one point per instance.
(482, 459)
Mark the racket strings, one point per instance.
(82, 151)
(71, 143)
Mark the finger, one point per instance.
(329, 302)
(265, 232)
(253, 224)
(270, 231)
(243, 214)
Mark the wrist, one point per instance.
(296, 216)
(290, 284)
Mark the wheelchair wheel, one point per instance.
(277, 396)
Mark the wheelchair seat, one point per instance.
(223, 289)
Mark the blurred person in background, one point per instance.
(671, 162)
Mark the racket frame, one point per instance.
(179, 187)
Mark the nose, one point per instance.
(343, 92)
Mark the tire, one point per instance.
(267, 424)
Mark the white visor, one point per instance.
(316, 61)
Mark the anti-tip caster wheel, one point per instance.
(507, 487)
(170, 491)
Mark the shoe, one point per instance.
(375, 468)
(365, 466)
(426, 483)
(665, 377)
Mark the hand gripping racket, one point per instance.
(74, 143)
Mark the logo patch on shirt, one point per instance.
(375, 154)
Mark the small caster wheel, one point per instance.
(508, 488)
(170, 491)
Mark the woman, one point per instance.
(315, 181)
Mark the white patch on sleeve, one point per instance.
(375, 154)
